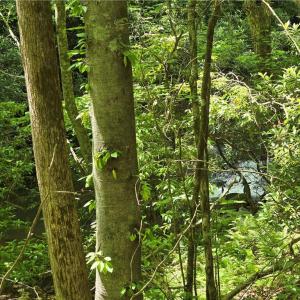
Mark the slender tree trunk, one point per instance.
(113, 125)
(259, 18)
(201, 176)
(192, 26)
(49, 145)
(67, 83)
(192, 241)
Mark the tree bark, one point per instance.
(192, 27)
(201, 183)
(259, 19)
(49, 145)
(67, 84)
(113, 125)
(192, 241)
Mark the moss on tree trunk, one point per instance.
(259, 19)
(113, 125)
(201, 176)
(50, 151)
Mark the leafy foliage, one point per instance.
(254, 116)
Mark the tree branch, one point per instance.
(260, 275)
(11, 33)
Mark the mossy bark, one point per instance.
(50, 151)
(113, 125)
(259, 19)
(67, 84)
(193, 76)
(201, 176)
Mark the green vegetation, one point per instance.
(150, 222)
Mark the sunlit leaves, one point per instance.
(99, 262)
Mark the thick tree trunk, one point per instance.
(67, 84)
(259, 18)
(49, 145)
(113, 125)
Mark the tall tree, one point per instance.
(259, 19)
(192, 241)
(67, 83)
(200, 126)
(49, 145)
(201, 176)
(115, 167)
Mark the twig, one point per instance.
(13, 36)
(226, 191)
(25, 285)
(77, 159)
(12, 75)
(36, 218)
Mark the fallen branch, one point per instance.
(26, 286)
(260, 275)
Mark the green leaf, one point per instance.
(115, 154)
(132, 237)
(145, 192)
(91, 205)
(95, 265)
(100, 164)
(100, 266)
(89, 181)
(123, 291)
(105, 158)
(109, 267)
(131, 56)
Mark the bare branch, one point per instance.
(11, 33)
(260, 275)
